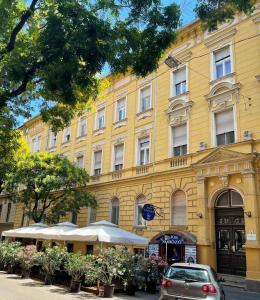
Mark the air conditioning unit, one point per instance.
(247, 135)
(202, 146)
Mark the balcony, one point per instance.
(179, 162)
(142, 170)
(116, 175)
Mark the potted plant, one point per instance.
(28, 257)
(3, 247)
(75, 265)
(11, 256)
(108, 266)
(153, 267)
(51, 261)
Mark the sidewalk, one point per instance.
(12, 287)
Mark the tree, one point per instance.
(12, 147)
(49, 186)
(214, 12)
(53, 50)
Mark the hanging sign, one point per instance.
(153, 249)
(190, 254)
(148, 212)
(171, 239)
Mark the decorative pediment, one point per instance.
(179, 112)
(221, 155)
(223, 95)
(222, 162)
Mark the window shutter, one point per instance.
(179, 208)
(121, 104)
(224, 122)
(180, 75)
(179, 135)
(119, 151)
(97, 164)
(80, 161)
(221, 54)
(145, 92)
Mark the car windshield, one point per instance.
(187, 274)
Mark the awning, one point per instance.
(30, 231)
(105, 232)
(56, 232)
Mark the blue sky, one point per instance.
(188, 15)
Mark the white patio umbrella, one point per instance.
(56, 232)
(104, 232)
(30, 231)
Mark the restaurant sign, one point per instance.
(171, 239)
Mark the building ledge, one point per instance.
(144, 114)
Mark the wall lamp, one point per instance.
(248, 214)
(199, 215)
(172, 62)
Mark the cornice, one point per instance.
(220, 38)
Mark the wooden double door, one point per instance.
(230, 241)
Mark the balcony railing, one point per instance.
(116, 175)
(141, 170)
(179, 162)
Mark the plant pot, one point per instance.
(151, 287)
(109, 291)
(49, 279)
(130, 289)
(75, 286)
(25, 274)
(10, 269)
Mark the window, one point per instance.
(82, 126)
(224, 126)
(92, 215)
(74, 217)
(179, 140)
(9, 206)
(145, 99)
(89, 249)
(119, 157)
(36, 144)
(66, 135)
(144, 151)
(70, 247)
(179, 208)
(100, 120)
(229, 198)
(139, 221)
(53, 139)
(121, 110)
(97, 162)
(115, 211)
(222, 62)
(80, 161)
(180, 82)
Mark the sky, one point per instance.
(188, 15)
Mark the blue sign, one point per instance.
(148, 212)
(171, 239)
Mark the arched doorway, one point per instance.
(230, 233)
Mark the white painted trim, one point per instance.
(139, 96)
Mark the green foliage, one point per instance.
(52, 259)
(214, 12)
(49, 186)
(10, 145)
(9, 252)
(28, 257)
(109, 264)
(55, 50)
(76, 265)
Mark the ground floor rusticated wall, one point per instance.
(222, 170)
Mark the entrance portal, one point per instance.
(230, 233)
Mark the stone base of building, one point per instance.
(253, 285)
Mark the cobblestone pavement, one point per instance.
(12, 287)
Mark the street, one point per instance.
(12, 287)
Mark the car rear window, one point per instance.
(186, 274)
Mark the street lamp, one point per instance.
(172, 62)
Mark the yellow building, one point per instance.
(185, 139)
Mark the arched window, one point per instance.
(229, 198)
(115, 211)
(140, 201)
(179, 216)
